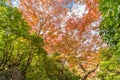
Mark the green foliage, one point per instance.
(110, 21)
(110, 32)
(50, 69)
(110, 65)
(17, 46)
(13, 33)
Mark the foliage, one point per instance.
(50, 69)
(17, 45)
(69, 35)
(110, 65)
(109, 30)
(110, 21)
(23, 51)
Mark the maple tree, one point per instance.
(79, 51)
(47, 19)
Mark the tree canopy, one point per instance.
(59, 39)
(109, 30)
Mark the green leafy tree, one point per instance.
(17, 46)
(110, 32)
(50, 68)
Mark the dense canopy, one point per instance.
(59, 39)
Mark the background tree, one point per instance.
(17, 45)
(109, 30)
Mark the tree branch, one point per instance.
(82, 67)
(89, 72)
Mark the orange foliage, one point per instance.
(74, 37)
